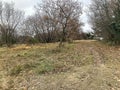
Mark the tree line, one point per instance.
(54, 20)
(59, 21)
(105, 19)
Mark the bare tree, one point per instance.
(55, 20)
(73, 29)
(41, 27)
(104, 15)
(60, 13)
(10, 19)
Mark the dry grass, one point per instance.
(82, 65)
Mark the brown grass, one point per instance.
(82, 65)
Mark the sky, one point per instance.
(84, 17)
(28, 7)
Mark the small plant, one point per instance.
(47, 67)
(57, 50)
(44, 67)
(28, 66)
(16, 70)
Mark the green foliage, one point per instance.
(32, 40)
(44, 67)
(49, 67)
(116, 33)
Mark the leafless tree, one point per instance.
(59, 13)
(10, 19)
(41, 27)
(104, 16)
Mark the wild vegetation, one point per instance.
(53, 21)
(59, 21)
(105, 19)
(44, 51)
(82, 65)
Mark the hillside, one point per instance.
(82, 65)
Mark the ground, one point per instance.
(81, 65)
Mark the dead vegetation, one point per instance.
(82, 65)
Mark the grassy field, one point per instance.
(82, 65)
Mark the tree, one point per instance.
(10, 19)
(104, 18)
(115, 25)
(41, 27)
(73, 30)
(59, 13)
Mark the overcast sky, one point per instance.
(87, 27)
(28, 7)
